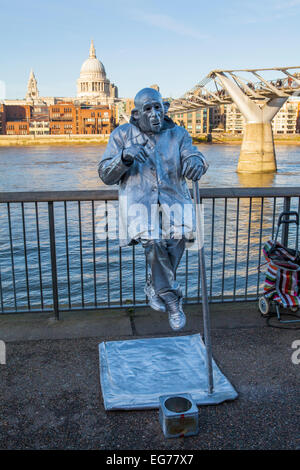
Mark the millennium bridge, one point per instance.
(257, 97)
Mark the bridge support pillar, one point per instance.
(257, 150)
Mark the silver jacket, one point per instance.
(159, 180)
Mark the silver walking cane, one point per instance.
(205, 306)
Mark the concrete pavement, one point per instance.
(51, 396)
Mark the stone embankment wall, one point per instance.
(293, 139)
(7, 140)
(10, 140)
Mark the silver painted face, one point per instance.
(152, 115)
(151, 112)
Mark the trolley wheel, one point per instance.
(294, 309)
(264, 306)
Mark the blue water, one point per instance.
(51, 168)
(88, 272)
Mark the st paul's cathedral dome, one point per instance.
(93, 85)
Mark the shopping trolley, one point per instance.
(282, 281)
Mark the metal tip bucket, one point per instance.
(178, 404)
(178, 415)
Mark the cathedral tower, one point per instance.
(32, 89)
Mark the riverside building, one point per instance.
(286, 120)
(196, 122)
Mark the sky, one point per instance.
(142, 42)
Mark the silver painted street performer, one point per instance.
(149, 158)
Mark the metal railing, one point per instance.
(57, 253)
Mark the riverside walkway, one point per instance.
(51, 396)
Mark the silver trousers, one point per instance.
(163, 257)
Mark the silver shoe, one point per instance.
(177, 319)
(155, 301)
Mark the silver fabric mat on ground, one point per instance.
(134, 373)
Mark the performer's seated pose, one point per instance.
(149, 158)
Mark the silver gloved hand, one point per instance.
(193, 168)
(135, 152)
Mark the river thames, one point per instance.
(94, 271)
(48, 168)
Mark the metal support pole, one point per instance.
(205, 306)
(53, 259)
(285, 227)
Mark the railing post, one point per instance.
(285, 227)
(53, 259)
(205, 306)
